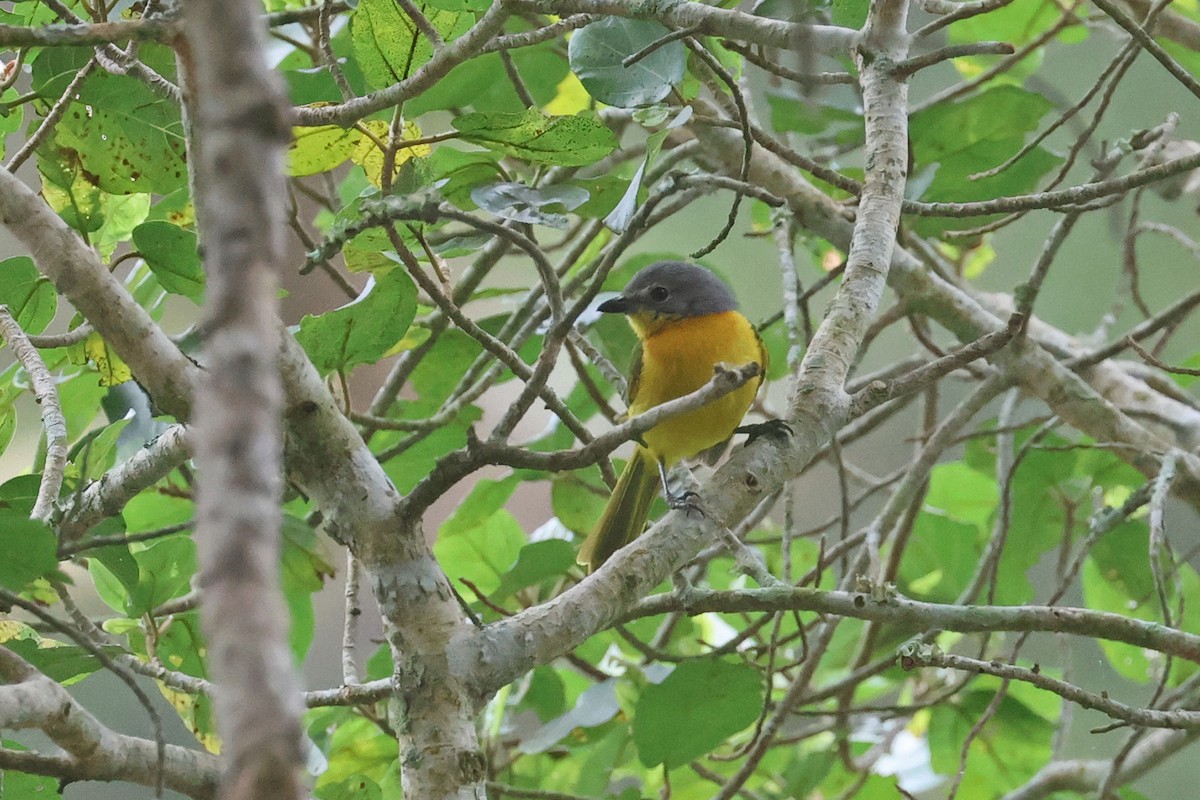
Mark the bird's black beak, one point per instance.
(616, 305)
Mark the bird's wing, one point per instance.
(635, 376)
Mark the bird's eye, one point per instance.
(659, 294)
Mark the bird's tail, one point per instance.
(625, 515)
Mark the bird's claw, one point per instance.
(686, 502)
(772, 427)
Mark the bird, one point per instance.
(687, 324)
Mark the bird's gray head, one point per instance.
(672, 289)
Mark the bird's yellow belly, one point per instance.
(679, 359)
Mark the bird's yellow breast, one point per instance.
(678, 357)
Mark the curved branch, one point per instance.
(885, 117)
(94, 751)
(78, 273)
(154, 29)
(46, 392)
(1089, 775)
(107, 496)
(240, 135)
(450, 56)
(1139, 717)
(919, 616)
(707, 20)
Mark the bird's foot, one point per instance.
(687, 502)
(772, 427)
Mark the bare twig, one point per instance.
(909, 66)
(51, 118)
(1142, 717)
(46, 392)
(108, 496)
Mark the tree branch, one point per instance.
(79, 274)
(94, 751)
(706, 19)
(1140, 717)
(919, 616)
(106, 497)
(45, 391)
(240, 134)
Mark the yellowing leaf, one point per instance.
(369, 156)
(321, 149)
(570, 97)
(11, 629)
(112, 369)
(186, 706)
(387, 44)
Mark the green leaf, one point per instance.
(545, 693)
(849, 13)
(564, 141)
(156, 509)
(963, 493)
(1116, 578)
(387, 44)
(97, 455)
(958, 140)
(138, 578)
(473, 85)
(30, 549)
(357, 787)
(1018, 22)
(69, 189)
(575, 501)
(483, 554)
(67, 664)
(460, 5)
(122, 213)
(1014, 744)
(417, 460)
(457, 172)
(11, 116)
(604, 193)
(114, 573)
(166, 568)
(439, 372)
(775, 339)
(19, 494)
(537, 562)
(622, 213)
(363, 331)
(486, 498)
(308, 86)
(126, 138)
(792, 112)
(357, 749)
(603, 757)
(940, 558)
(170, 252)
(304, 571)
(807, 772)
(8, 418)
(597, 52)
(31, 298)
(671, 727)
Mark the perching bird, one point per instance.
(687, 323)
